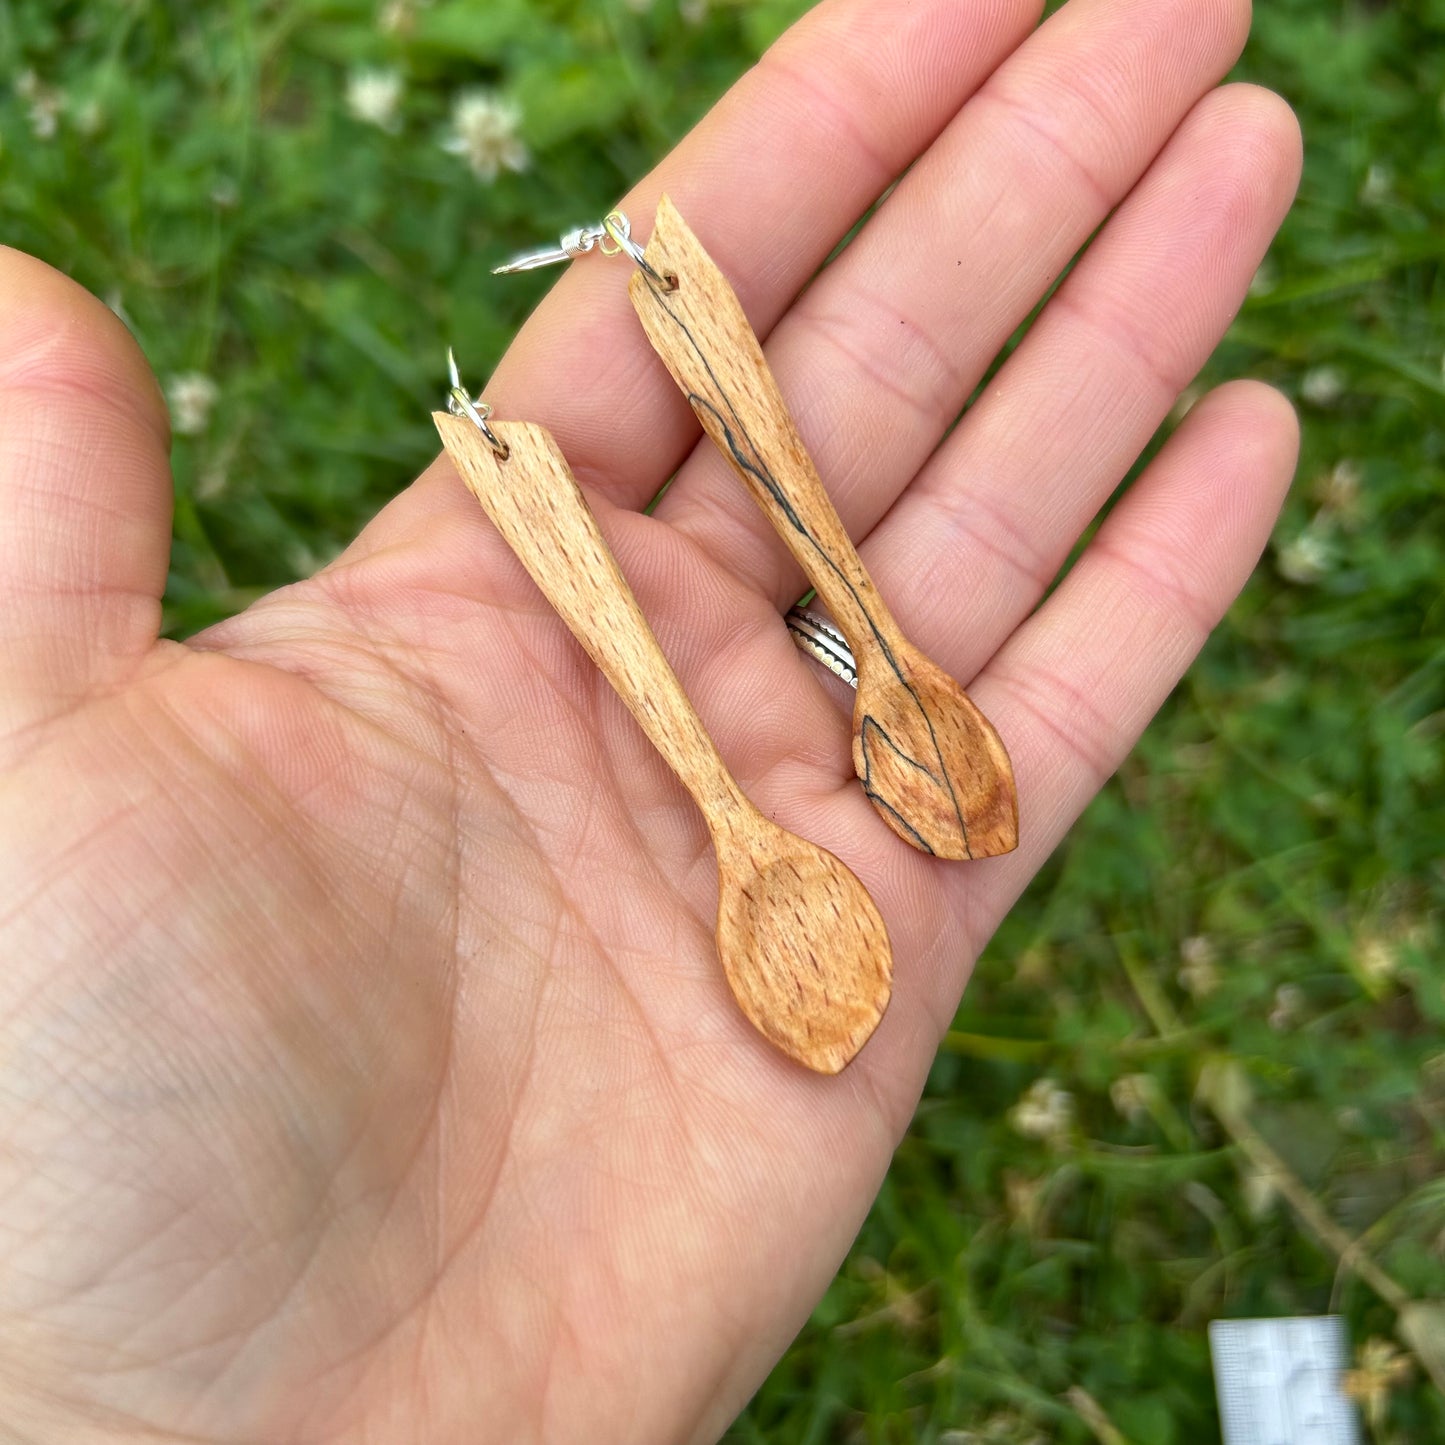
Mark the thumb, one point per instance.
(85, 495)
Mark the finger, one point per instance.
(85, 493)
(1074, 688)
(880, 355)
(775, 174)
(1005, 499)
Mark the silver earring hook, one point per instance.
(613, 238)
(573, 244)
(460, 403)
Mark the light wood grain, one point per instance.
(928, 758)
(803, 946)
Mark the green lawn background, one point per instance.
(1200, 1072)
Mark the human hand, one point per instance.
(368, 1072)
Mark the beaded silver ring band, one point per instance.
(822, 641)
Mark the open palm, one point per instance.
(368, 1072)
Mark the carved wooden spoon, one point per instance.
(930, 761)
(803, 947)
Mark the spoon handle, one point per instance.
(704, 338)
(535, 503)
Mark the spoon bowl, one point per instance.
(929, 760)
(804, 948)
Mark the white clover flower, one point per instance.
(1044, 1112)
(1322, 386)
(484, 132)
(1305, 558)
(374, 96)
(192, 397)
(1197, 975)
(44, 120)
(1130, 1095)
(46, 103)
(1288, 1004)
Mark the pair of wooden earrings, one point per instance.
(801, 942)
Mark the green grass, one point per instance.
(1229, 980)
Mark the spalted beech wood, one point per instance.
(928, 758)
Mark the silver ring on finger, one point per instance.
(822, 641)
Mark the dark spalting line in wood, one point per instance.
(872, 723)
(879, 801)
(759, 468)
(877, 798)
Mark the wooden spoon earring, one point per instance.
(929, 760)
(802, 944)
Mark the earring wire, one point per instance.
(613, 238)
(460, 403)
